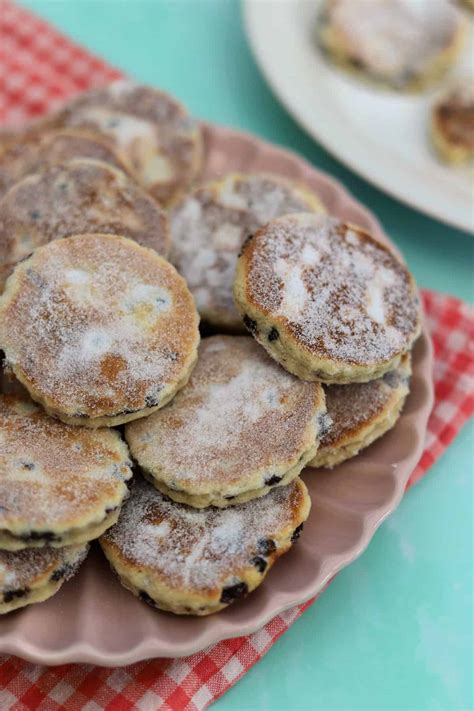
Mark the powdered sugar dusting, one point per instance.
(378, 285)
(30, 154)
(76, 276)
(22, 569)
(99, 325)
(294, 295)
(239, 413)
(205, 549)
(396, 39)
(51, 473)
(152, 129)
(375, 307)
(353, 406)
(79, 197)
(123, 127)
(352, 301)
(209, 226)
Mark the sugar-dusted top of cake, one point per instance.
(353, 406)
(31, 154)
(342, 295)
(132, 99)
(201, 549)
(209, 225)
(98, 325)
(396, 38)
(240, 415)
(78, 197)
(150, 127)
(52, 474)
(25, 568)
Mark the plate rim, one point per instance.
(149, 647)
(330, 142)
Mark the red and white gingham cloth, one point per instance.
(38, 69)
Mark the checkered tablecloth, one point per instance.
(38, 69)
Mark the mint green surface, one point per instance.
(393, 631)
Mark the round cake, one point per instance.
(403, 44)
(360, 413)
(78, 197)
(149, 127)
(59, 485)
(35, 575)
(208, 228)
(326, 300)
(241, 426)
(196, 562)
(98, 329)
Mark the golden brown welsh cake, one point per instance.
(209, 226)
(34, 575)
(149, 127)
(196, 562)
(32, 154)
(402, 44)
(241, 426)
(78, 197)
(98, 329)
(360, 413)
(59, 485)
(326, 300)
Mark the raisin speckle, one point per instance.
(40, 536)
(324, 424)
(260, 563)
(392, 379)
(266, 546)
(273, 480)
(273, 335)
(234, 592)
(61, 572)
(10, 595)
(146, 598)
(250, 324)
(152, 400)
(296, 533)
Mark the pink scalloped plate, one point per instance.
(93, 619)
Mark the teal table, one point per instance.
(394, 630)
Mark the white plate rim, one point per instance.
(334, 140)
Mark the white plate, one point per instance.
(379, 134)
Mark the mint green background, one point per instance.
(393, 631)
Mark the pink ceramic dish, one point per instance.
(93, 619)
